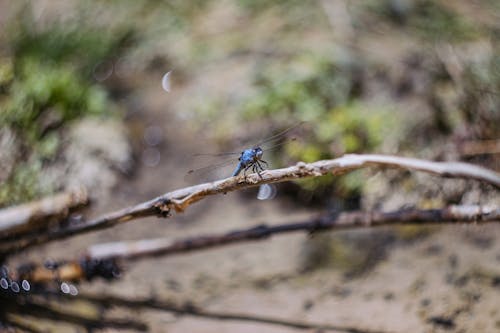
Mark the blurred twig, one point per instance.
(190, 309)
(163, 247)
(40, 214)
(77, 270)
(181, 199)
(16, 310)
(102, 260)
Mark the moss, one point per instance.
(23, 184)
(6, 71)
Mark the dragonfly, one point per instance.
(250, 158)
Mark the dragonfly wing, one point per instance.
(217, 154)
(272, 142)
(204, 171)
(279, 135)
(276, 145)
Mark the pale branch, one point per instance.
(38, 215)
(179, 200)
(348, 220)
(103, 260)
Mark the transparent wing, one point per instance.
(272, 142)
(266, 144)
(205, 171)
(278, 136)
(279, 144)
(217, 154)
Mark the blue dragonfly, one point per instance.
(249, 158)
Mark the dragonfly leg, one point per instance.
(260, 167)
(267, 165)
(245, 170)
(257, 168)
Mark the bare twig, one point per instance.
(190, 309)
(77, 270)
(103, 260)
(164, 247)
(39, 214)
(181, 199)
(17, 309)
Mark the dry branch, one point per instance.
(76, 270)
(103, 260)
(180, 199)
(351, 220)
(40, 214)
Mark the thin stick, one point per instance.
(103, 260)
(351, 220)
(190, 309)
(43, 310)
(179, 200)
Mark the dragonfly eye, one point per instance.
(258, 152)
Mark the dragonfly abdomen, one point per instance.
(238, 169)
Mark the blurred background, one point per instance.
(82, 103)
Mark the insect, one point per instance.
(250, 158)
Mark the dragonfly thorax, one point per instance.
(251, 155)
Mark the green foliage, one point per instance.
(325, 94)
(317, 85)
(78, 42)
(429, 19)
(42, 96)
(434, 21)
(45, 85)
(260, 5)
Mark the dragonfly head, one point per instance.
(258, 153)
